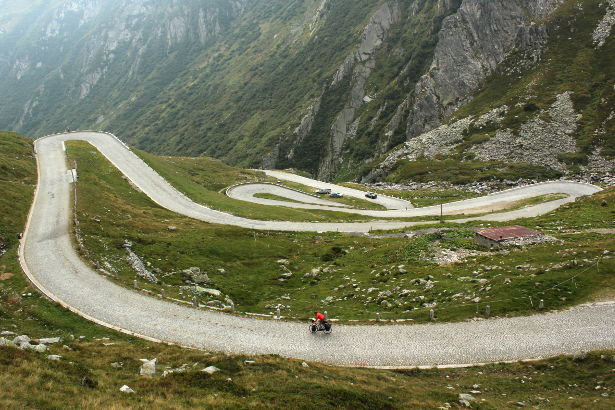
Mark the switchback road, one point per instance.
(52, 264)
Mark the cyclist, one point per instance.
(320, 319)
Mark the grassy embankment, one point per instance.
(357, 203)
(436, 196)
(203, 180)
(460, 172)
(84, 377)
(422, 197)
(340, 267)
(274, 197)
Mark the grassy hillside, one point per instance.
(332, 270)
(85, 375)
(17, 179)
(235, 96)
(204, 180)
(249, 92)
(84, 378)
(462, 172)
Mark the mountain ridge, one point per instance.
(320, 86)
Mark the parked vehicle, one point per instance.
(371, 195)
(324, 191)
(336, 195)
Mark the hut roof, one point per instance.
(501, 233)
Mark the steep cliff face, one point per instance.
(359, 65)
(471, 45)
(550, 98)
(348, 117)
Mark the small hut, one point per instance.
(507, 235)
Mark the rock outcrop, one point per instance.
(539, 141)
(603, 31)
(439, 141)
(138, 265)
(148, 368)
(470, 46)
(359, 64)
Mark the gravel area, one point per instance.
(49, 259)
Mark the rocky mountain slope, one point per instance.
(551, 106)
(323, 86)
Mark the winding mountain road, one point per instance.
(482, 205)
(50, 261)
(384, 200)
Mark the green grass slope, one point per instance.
(204, 180)
(17, 180)
(332, 270)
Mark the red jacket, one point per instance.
(320, 316)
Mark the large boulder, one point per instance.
(25, 345)
(21, 339)
(195, 275)
(126, 389)
(49, 340)
(205, 291)
(148, 368)
(41, 348)
(229, 304)
(465, 400)
(215, 304)
(201, 291)
(6, 342)
(211, 369)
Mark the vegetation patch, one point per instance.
(204, 179)
(463, 172)
(274, 197)
(91, 371)
(350, 276)
(357, 203)
(421, 197)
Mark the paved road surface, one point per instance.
(247, 192)
(50, 261)
(386, 201)
(487, 204)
